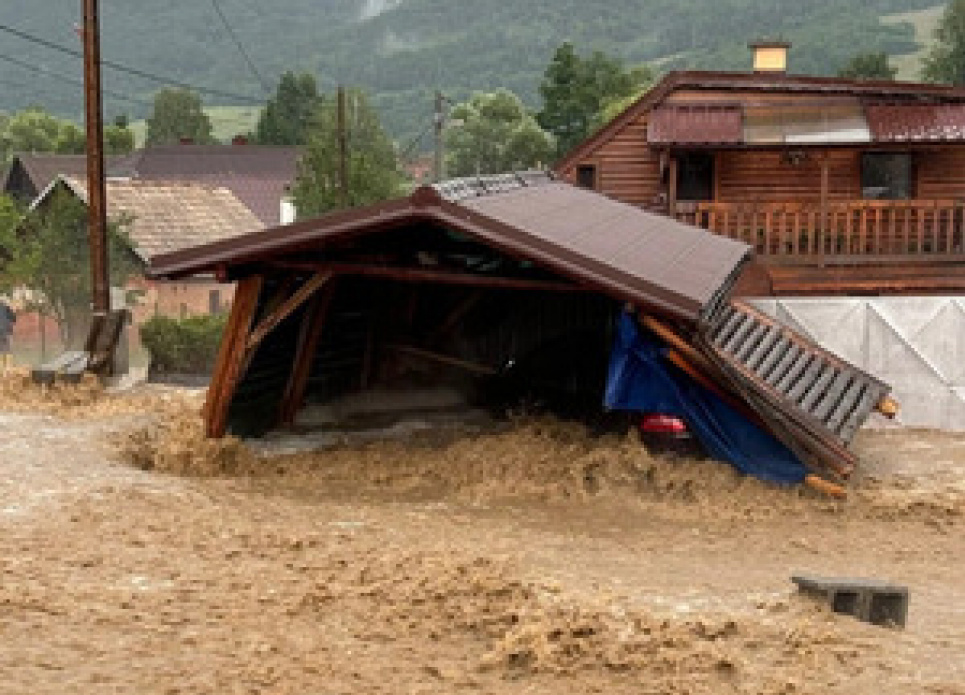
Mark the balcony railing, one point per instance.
(850, 233)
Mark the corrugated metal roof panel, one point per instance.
(695, 125)
(811, 400)
(917, 122)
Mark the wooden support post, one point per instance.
(667, 335)
(825, 192)
(229, 365)
(309, 335)
(672, 188)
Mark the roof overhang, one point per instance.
(597, 242)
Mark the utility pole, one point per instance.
(440, 129)
(342, 148)
(96, 193)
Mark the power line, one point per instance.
(241, 48)
(70, 80)
(415, 141)
(125, 68)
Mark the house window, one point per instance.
(586, 176)
(886, 175)
(695, 176)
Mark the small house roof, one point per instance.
(169, 216)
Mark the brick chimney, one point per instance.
(770, 56)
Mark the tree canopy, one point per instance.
(47, 251)
(869, 66)
(496, 134)
(286, 117)
(178, 115)
(36, 131)
(575, 89)
(373, 172)
(946, 60)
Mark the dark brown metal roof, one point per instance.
(257, 175)
(696, 125)
(599, 242)
(916, 122)
(760, 82)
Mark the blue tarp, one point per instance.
(640, 379)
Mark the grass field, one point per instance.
(227, 121)
(925, 22)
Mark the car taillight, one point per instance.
(665, 424)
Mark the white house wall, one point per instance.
(916, 344)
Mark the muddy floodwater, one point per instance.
(530, 558)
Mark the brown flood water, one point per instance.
(533, 559)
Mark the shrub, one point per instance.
(185, 346)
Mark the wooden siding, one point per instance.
(941, 173)
(756, 176)
(626, 168)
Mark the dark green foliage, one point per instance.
(119, 138)
(575, 89)
(946, 61)
(417, 46)
(373, 172)
(185, 346)
(48, 252)
(177, 116)
(287, 116)
(496, 135)
(869, 66)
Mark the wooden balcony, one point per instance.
(867, 232)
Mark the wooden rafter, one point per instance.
(432, 275)
(281, 312)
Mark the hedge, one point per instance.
(185, 346)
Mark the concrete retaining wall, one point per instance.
(916, 344)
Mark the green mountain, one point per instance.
(402, 50)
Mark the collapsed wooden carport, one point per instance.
(521, 232)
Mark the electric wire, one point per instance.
(137, 72)
(241, 48)
(71, 80)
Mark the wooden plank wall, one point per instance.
(941, 174)
(629, 170)
(626, 168)
(766, 176)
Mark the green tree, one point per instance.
(869, 66)
(946, 60)
(118, 137)
(373, 172)
(286, 117)
(71, 139)
(33, 130)
(178, 115)
(576, 89)
(47, 251)
(496, 135)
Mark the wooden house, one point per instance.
(841, 186)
